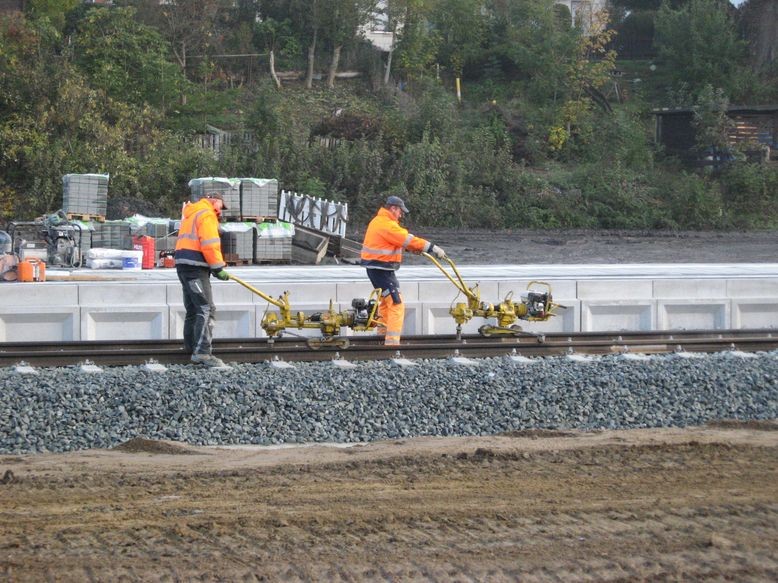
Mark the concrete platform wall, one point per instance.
(153, 308)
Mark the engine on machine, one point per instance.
(52, 239)
(364, 309)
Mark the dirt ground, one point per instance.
(562, 247)
(642, 505)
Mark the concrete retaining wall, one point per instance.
(148, 305)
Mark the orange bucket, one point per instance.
(166, 259)
(32, 270)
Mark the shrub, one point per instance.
(750, 193)
(692, 202)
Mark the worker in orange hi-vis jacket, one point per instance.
(198, 256)
(382, 254)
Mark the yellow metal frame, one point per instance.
(329, 322)
(505, 313)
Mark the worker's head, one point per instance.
(217, 200)
(396, 206)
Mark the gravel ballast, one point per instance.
(62, 409)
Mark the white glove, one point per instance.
(438, 252)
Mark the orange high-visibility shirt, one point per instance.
(385, 241)
(198, 241)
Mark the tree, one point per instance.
(190, 26)
(275, 36)
(710, 121)
(532, 46)
(461, 27)
(394, 12)
(588, 70)
(126, 59)
(54, 10)
(698, 46)
(343, 20)
(759, 20)
(304, 20)
(25, 78)
(313, 28)
(633, 5)
(416, 45)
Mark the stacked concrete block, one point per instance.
(273, 251)
(258, 198)
(229, 188)
(155, 230)
(112, 235)
(85, 241)
(273, 242)
(164, 234)
(238, 246)
(85, 194)
(166, 243)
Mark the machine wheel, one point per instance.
(489, 331)
(314, 343)
(486, 330)
(331, 341)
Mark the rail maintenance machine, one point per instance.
(535, 304)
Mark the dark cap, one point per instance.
(397, 201)
(217, 196)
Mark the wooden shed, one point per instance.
(11, 6)
(751, 123)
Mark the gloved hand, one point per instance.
(222, 274)
(438, 252)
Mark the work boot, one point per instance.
(208, 360)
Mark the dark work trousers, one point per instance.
(386, 281)
(200, 309)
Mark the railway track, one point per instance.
(292, 348)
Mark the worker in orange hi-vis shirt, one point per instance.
(382, 254)
(198, 256)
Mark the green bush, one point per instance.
(750, 194)
(614, 196)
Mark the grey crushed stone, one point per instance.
(62, 409)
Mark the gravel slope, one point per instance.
(66, 409)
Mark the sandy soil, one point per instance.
(642, 505)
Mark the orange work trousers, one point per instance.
(391, 317)
(391, 309)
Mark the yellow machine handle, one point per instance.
(459, 283)
(264, 296)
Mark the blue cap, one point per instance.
(397, 201)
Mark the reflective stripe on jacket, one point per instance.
(385, 241)
(198, 241)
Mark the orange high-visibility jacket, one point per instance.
(385, 241)
(198, 241)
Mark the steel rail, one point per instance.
(294, 348)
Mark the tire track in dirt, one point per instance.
(613, 513)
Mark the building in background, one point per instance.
(9, 6)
